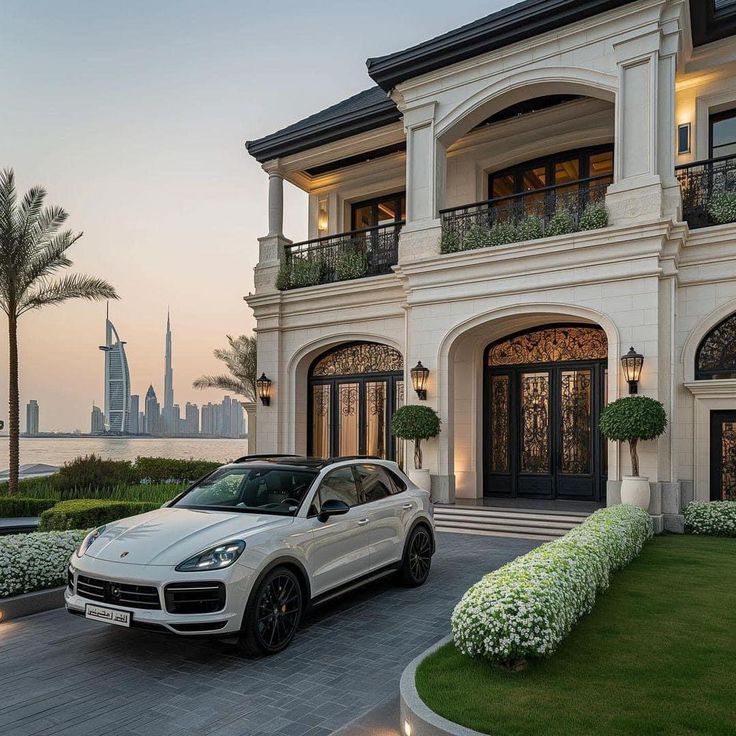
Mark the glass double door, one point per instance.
(723, 456)
(352, 416)
(542, 438)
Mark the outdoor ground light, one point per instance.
(419, 375)
(632, 363)
(263, 384)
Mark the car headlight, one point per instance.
(89, 540)
(215, 558)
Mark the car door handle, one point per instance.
(363, 522)
(407, 506)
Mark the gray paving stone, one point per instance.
(64, 675)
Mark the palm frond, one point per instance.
(224, 383)
(49, 258)
(74, 286)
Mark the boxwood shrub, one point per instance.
(714, 518)
(36, 561)
(169, 470)
(527, 607)
(87, 513)
(15, 506)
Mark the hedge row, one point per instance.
(87, 513)
(35, 561)
(527, 607)
(714, 518)
(15, 506)
(152, 492)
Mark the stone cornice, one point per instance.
(713, 389)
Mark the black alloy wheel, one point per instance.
(273, 614)
(417, 558)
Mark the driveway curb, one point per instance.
(414, 713)
(29, 603)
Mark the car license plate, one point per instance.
(108, 615)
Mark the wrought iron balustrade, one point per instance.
(701, 184)
(539, 213)
(369, 252)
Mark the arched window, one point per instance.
(716, 355)
(354, 390)
(550, 345)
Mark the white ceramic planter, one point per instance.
(635, 490)
(420, 478)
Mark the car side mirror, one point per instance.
(333, 507)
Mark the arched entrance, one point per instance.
(543, 392)
(715, 359)
(354, 390)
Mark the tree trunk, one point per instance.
(13, 409)
(417, 454)
(634, 458)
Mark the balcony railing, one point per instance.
(708, 191)
(539, 213)
(353, 255)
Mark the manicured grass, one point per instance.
(656, 656)
(146, 492)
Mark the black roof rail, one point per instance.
(265, 456)
(332, 460)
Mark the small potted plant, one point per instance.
(416, 423)
(631, 419)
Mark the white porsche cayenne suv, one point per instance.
(248, 548)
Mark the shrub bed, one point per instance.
(151, 492)
(714, 518)
(526, 608)
(14, 506)
(87, 513)
(168, 470)
(36, 561)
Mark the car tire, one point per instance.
(417, 558)
(273, 613)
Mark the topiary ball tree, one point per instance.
(631, 419)
(415, 422)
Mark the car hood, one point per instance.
(168, 536)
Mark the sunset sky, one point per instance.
(133, 116)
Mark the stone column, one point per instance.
(250, 412)
(271, 247)
(275, 204)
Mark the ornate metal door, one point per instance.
(541, 415)
(723, 456)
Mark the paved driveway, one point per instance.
(60, 674)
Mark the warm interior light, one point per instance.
(632, 364)
(263, 384)
(419, 375)
(323, 220)
(407, 728)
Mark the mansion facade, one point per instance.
(516, 204)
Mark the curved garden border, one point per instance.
(421, 720)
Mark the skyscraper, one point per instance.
(133, 426)
(170, 425)
(153, 412)
(117, 380)
(97, 421)
(191, 419)
(32, 417)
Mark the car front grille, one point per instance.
(195, 597)
(123, 594)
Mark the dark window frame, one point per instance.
(715, 118)
(373, 202)
(517, 170)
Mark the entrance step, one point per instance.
(506, 522)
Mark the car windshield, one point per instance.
(250, 490)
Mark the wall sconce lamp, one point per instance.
(632, 363)
(684, 136)
(263, 384)
(419, 375)
(323, 219)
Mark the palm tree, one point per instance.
(240, 359)
(32, 251)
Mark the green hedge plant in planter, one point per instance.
(451, 241)
(561, 223)
(632, 419)
(722, 208)
(476, 236)
(351, 264)
(306, 271)
(530, 228)
(502, 233)
(594, 217)
(416, 423)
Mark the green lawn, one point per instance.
(656, 656)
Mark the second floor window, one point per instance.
(379, 211)
(723, 134)
(570, 168)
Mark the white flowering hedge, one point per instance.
(35, 561)
(715, 518)
(527, 607)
